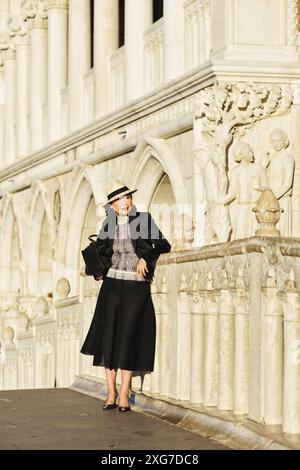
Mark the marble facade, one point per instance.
(200, 111)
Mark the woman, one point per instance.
(123, 329)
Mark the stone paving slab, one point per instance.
(63, 419)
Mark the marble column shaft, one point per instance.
(57, 63)
(173, 34)
(38, 80)
(9, 59)
(22, 93)
(79, 60)
(106, 41)
(141, 14)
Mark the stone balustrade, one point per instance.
(228, 333)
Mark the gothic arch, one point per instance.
(10, 242)
(85, 188)
(41, 225)
(154, 155)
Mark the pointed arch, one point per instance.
(85, 190)
(40, 241)
(166, 163)
(10, 248)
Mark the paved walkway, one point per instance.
(56, 419)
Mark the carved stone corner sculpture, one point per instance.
(63, 288)
(267, 212)
(225, 113)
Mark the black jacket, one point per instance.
(147, 239)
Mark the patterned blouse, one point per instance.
(124, 258)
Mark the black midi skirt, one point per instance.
(122, 333)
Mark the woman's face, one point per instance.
(122, 205)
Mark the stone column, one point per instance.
(255, 337)
(155, 376)
(138, 17)
(1, 113)
(198, 343)
(184, 322)
(9, 61)
(211, 345)
(173, 34)
(22, 92)
(106, 41)
(79, 60)
(273, 351)
(226, 348)
(164, 345)
(38, 75)
(4, 15)
(57, 63)
(241, 373)
(291, 384)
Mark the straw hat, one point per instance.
(116, 190)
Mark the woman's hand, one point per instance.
(97, 278)
(142, 267)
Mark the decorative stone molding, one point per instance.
(292, 22)
(45, 339)
(193, 7)
(26, 307)
(27, 356)
(57, 207)
(68, 327)
(197, 16)
(57, 5)
(153, 43)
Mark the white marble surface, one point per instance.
(165, 112)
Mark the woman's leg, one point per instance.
(125, 387)
(111, 375)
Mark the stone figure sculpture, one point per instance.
(280, 171)
(247, 181)
(217, 221)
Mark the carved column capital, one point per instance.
(21, 34)
(22, 39)
(36, 14)
(8, 52)
(57, 4)
(37, 22)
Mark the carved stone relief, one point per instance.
(225, 112)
